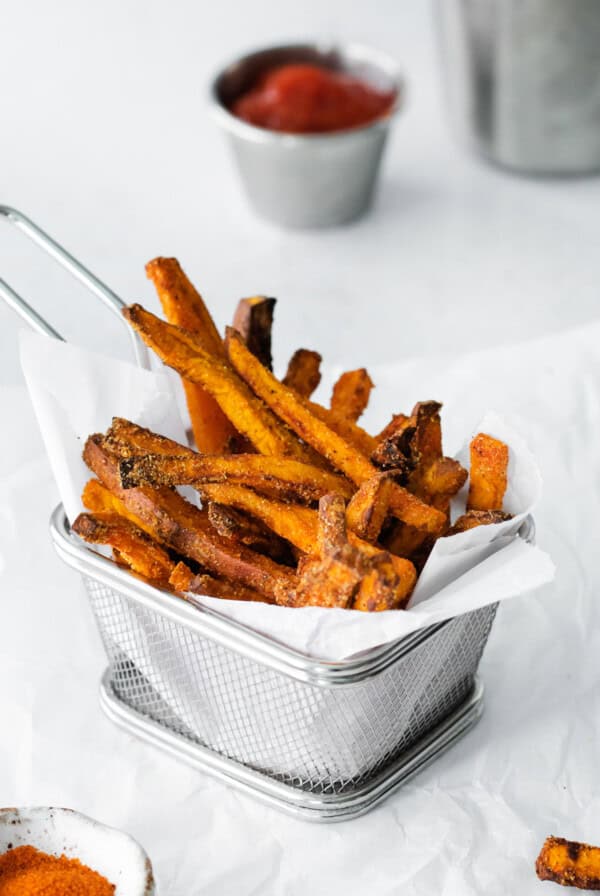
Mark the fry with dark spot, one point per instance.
(303, 372)
(253, 319)
(473, 518)
(569, 863)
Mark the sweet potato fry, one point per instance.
(143, 555)
(387, 586)
(488, 476)
(326, 582)
(291, 409)
(128, 439)
(303, 372)
(184, 307)
(474, 518)
(351, 394)
(98, 499)
(182, 303)
(351, 432)
(368, 509)
(393, 448)
(268, 475)
(569, 863)
(253, 319)
(175, 522)
(332, 535)
(245, 529)
(296, 524)
(184, 580)
(443, 477)
(248, 414)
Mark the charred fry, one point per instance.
(474, 518)
(570, 864)
(253, 319)
(303, 372)
(351, 394)
(269, 475)
(488, 476)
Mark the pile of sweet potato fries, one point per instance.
(300, 506)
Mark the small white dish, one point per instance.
(58, 832)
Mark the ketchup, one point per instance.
(309, 99)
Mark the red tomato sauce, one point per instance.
(309, 99)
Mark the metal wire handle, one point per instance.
(77, 270)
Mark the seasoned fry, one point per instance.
(393, 448)
(370, 506)
(340, 453)
(253, 319)
(474, 518)
(128, 439)
(488, 477)
(269, 475)
(303, 372)
(134, 546)
(332, 535)
(246, 529)
(351, 432)
(246, 412)
(326, 582)
(351, 394)
(97, 498)
(569, 863)
(184, 307)
(387, 586)
(173, 521)
(296, 524)
(183, 579)
(443, 477)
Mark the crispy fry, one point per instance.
(443, 477)
(351, 432)
(387, 586)
(326, 582)
(97, 498)
(291, 409)
(269, 475)
(351, 394)
(569, 863)
(393, 448)
(183, 579)
(253, 320)
(474, 518)
(128, 439)
(488, 476)
(134, 546)
(184, 307)
(296, 524)
(370, 506)
(396, 425)
(249, 415)
(175, 522)
(332, 536)
(246, 529)
(303, 372)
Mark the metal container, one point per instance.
(523, 81)
(307, 180)
(321, 740)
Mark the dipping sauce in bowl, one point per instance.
(311, 99)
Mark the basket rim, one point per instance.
(231, 633)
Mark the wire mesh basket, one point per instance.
(321, 740)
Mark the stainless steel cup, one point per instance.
(312, 180)
(523, 80)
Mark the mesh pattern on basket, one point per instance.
(323, 739)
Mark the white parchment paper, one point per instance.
(76, 392)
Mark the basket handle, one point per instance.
(77, 270)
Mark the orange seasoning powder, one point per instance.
(24, 871)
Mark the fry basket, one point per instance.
(321, 740)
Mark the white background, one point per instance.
(107, 143)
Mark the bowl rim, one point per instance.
(11, 815)
(240, 128)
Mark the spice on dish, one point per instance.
(25, 871)
(304, 99)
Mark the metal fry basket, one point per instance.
(321, 740)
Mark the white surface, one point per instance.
(57, 832)
(472, 823)
(106, 144)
